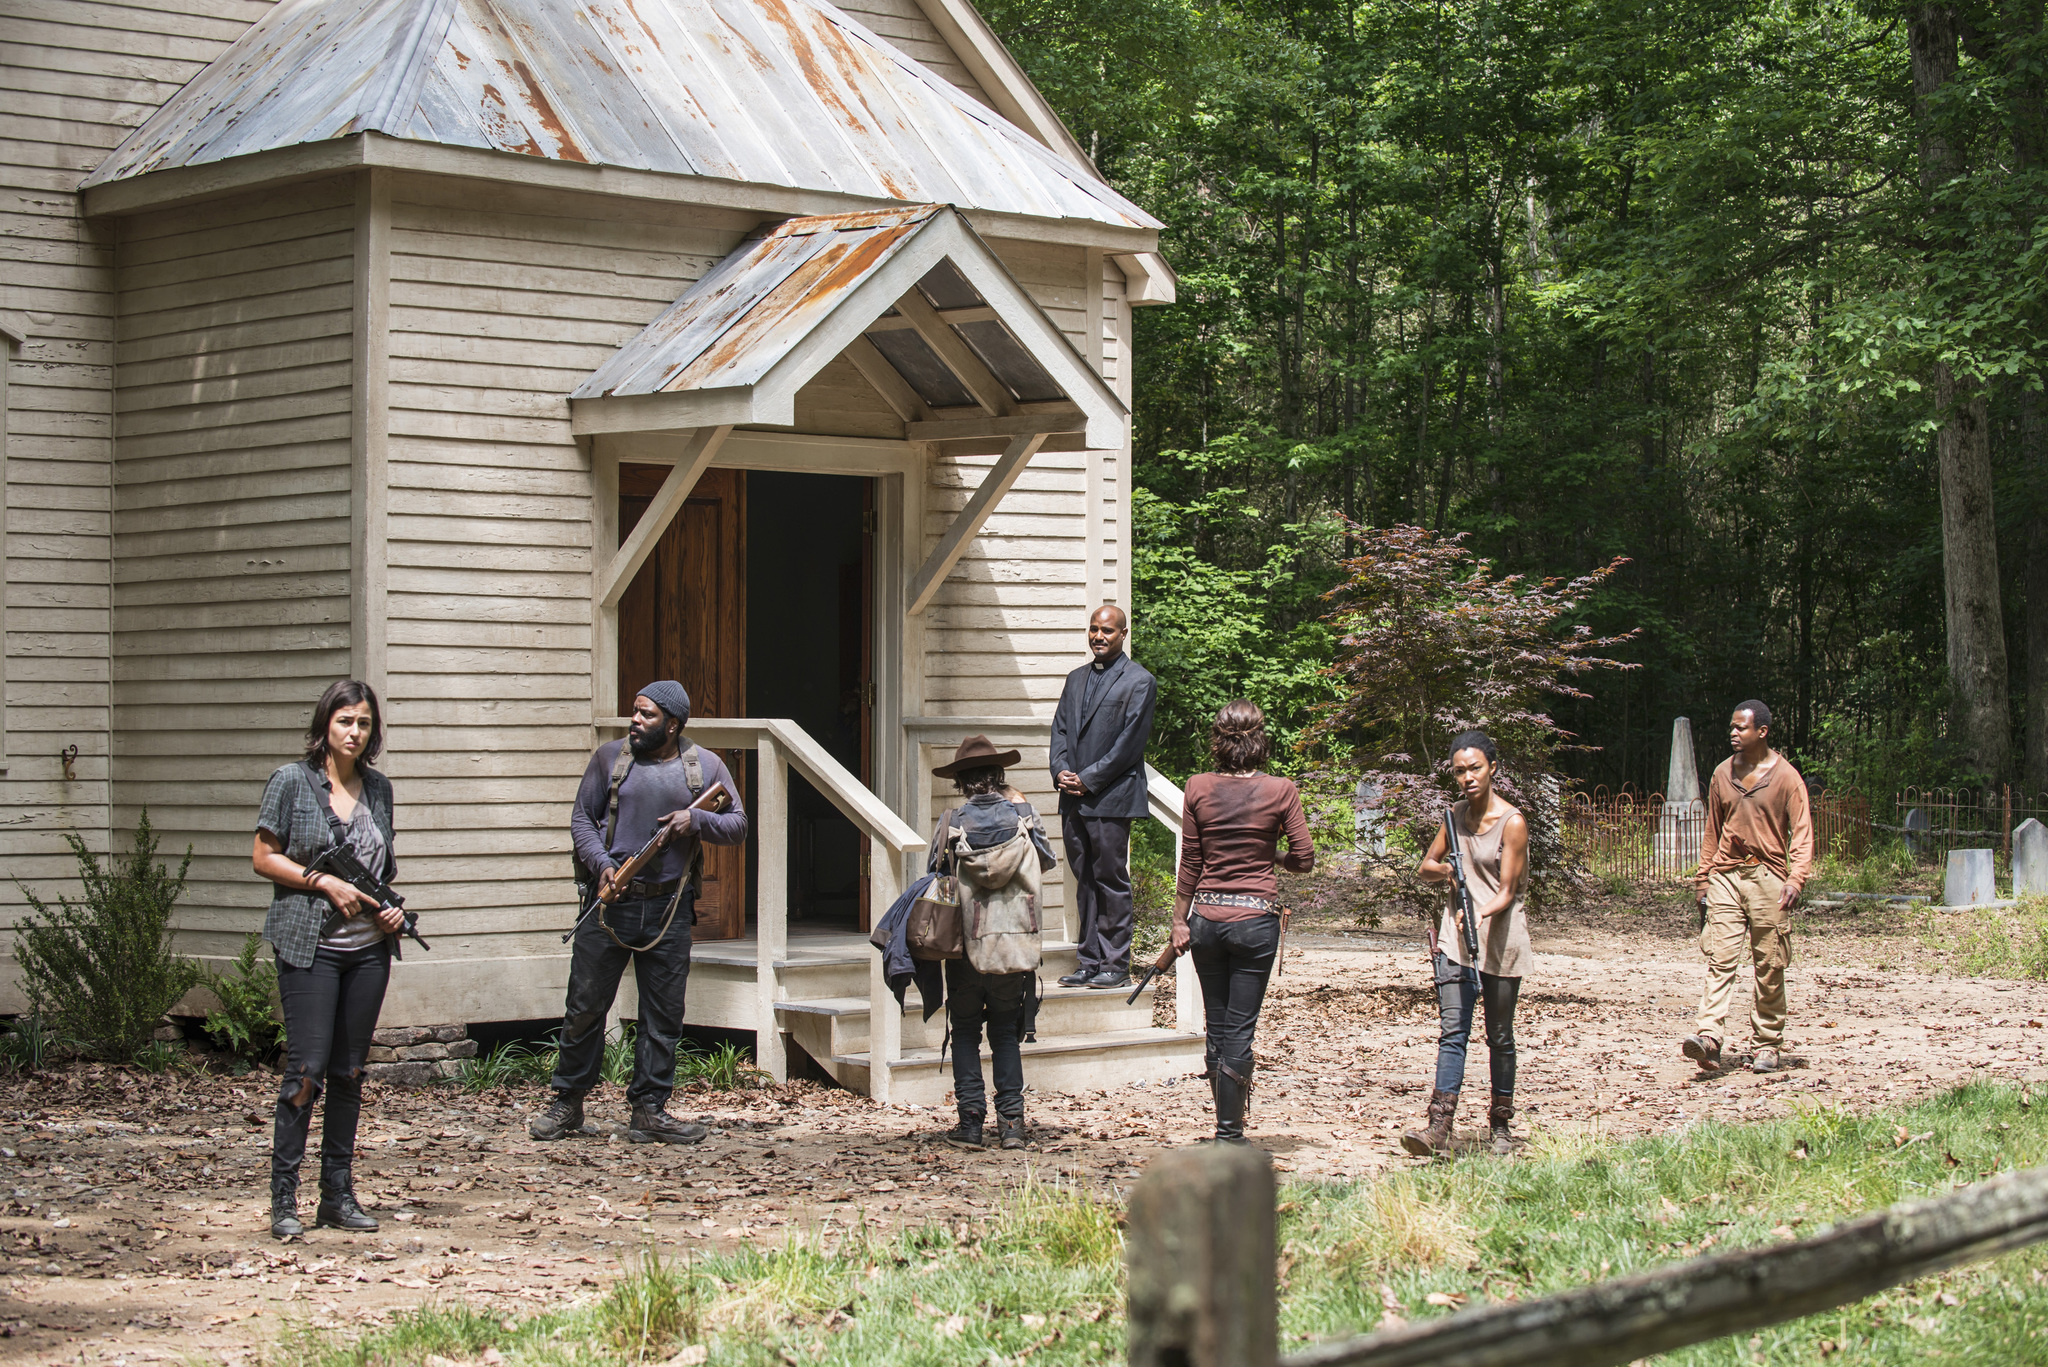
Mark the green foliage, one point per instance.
(1059, 1221)
(247, 1022)
(161, 1056)
(725, 1068)
(652, 1306)
(510, 1064)
(101, 970)
(29, 1045)
(2006, 942)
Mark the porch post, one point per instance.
(771, 907)
(885, 1018)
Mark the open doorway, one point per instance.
(810, 633)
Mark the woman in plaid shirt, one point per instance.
(333, 945)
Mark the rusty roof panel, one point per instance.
(780, 92)
(732, 326)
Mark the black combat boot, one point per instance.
(967, 1134)
(654, 1125)
(1010, 1132)
(1230, 1087)
(284, 1207)
(338, 1208)
(563, 1117)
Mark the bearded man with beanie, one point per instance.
(633, 789)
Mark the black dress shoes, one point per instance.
(1109, 978)
(1078, 978)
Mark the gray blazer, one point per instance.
(293, 812)
(1105, 744)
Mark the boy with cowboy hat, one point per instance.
(992, 815)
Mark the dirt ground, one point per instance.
(134, 1226)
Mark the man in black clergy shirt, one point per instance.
(653, 775)
(1099, 733)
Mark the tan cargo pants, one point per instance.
(1743, 906)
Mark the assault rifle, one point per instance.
(340, 862)
(1467, 914)
(712, 799)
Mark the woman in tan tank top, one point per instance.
(1494, 840)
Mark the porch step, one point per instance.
(1062, 1063)
(829, 1027)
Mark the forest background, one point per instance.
(1747, 291)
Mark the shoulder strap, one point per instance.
(620, 768)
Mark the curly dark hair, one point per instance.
(344, 693)
(1477, 740)
(1237, 740)
(975, 782)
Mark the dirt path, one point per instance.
(134, 1224)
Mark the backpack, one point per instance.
(998, 888)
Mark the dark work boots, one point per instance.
(284, 1208)
(563, 1117)
(338, 1208)
(651, 1126)
(1435, 1136)
(968, 1133)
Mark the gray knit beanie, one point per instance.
(668, 695)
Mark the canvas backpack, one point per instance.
(999, 887)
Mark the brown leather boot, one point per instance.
(1436, 1137)
(1497, 1117)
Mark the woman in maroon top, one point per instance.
(1226, 914)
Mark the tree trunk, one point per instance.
(2034, 458)
(1979, 716)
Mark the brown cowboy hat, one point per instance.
(976, 752)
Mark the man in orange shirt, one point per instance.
(1754, 858)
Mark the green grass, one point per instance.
(724, 1069)
(1997, 942)
(1042, 1272)
(1887, 866)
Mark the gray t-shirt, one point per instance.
(361, 930)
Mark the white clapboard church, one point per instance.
(508, 354)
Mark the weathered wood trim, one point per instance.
(894, 389)
(1148, 279)
(191, 184)
(771, 898)
(370, 434)
(1093, 268)
(691, 463)
(663, 412)
(971, 519)
(1024, 424)
(959, 358)
(604, 545)
(979, 313)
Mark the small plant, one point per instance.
(651, 1306)
(724, 1069)
(246, 1024)
(160, 1056)
(1060, 1222)
(101, 970)
(29, 1045)
(510, 1064)
(617, 1068)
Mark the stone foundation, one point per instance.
(415, 1055)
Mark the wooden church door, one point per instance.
(685, 618)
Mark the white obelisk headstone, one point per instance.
(1683, 819)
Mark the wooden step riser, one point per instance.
(1063, 1015)
(929, 1084)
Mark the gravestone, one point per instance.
(2030, 859)
(1915, 828)
(1369, 819)
(1684, 817)
(1970, 881)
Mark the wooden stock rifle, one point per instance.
(1466, 913)
(712, 799)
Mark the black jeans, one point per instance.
(997, 1001)
(1233, 959)
(330, 1009)
(1099, 855)
(596, 963)
(1455, 997)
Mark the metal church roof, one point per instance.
(781, 92)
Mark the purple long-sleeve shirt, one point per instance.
(650, 792)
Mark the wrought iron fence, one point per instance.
(1636, 838)
(1933, 821)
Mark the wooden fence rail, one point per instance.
(1202, 1291)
